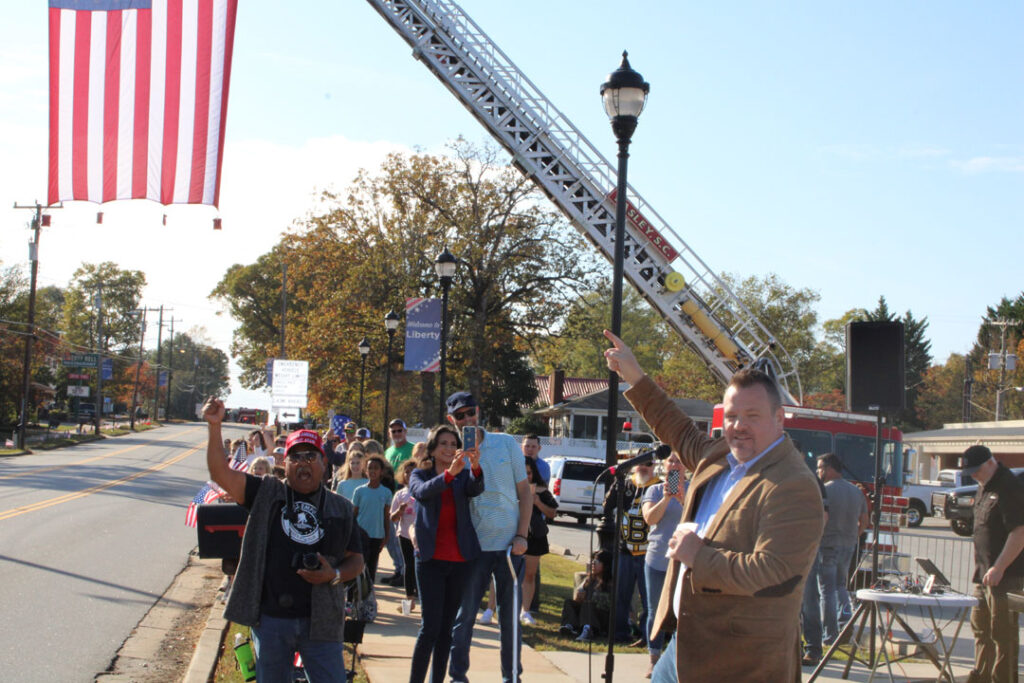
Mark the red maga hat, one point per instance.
(304, 436)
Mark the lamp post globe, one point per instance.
(391, 321)
(364, 351)
(444, 265)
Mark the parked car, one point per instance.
(920, 495)
(957, 505)
(573, 485)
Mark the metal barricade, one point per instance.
(953, 556)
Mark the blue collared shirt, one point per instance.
(721, 486)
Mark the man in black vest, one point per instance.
(299, 546)
(998, 565)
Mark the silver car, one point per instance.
(573, 485)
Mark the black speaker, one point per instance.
(875, 366)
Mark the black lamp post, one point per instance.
(444, 266)
(624, 94)
(364, 351)
(391, 321)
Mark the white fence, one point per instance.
(552, 445)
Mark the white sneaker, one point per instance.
(486, 617)
(527, 619)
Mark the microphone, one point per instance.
(645, 456)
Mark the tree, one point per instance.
(352, 259)
(940, 397)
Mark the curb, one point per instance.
(204, 659)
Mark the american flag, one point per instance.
(138, 99)
(209, 493)
(237, 461)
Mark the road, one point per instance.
(90, 538)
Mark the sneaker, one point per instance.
(486, 617)
(586, 635)
(396, 581)
(527, 619)
(567, 630)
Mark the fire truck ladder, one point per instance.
(551, 151)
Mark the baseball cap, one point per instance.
(460, 400)
(304, 436)
(398, 422)
(279, 451)
(363, 433)
(973, 458)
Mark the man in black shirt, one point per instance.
(998, 565)
(300, 545)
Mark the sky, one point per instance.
(856, 149)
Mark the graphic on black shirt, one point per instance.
(302, 525)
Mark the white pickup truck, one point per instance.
(920, 495)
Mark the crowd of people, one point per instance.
(732, 546)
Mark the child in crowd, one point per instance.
(372, 503)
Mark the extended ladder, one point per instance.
(551, 151)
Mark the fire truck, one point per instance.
(547, 148)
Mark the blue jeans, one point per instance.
(441, 585)
(395, 550)
(655, 580)
(665, 669)
(810, 612)
(835, 563)
(489, 563)
(275, 642)
(631, 573)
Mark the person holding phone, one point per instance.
(446, 544)
(501, 518)
(662, 508)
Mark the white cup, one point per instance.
(406, 607)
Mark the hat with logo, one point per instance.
(460, 400)
(304, 436)
(397, 421)
(363, 433)
(973, 458)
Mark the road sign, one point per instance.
(81, 360)
(107, 370)
(290, 384)
(78, 391)
(76, 375)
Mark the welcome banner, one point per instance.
(423, 335)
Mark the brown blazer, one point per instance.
(740, 605)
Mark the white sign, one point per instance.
(78, 391)
(291, 379)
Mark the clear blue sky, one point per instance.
(857, 149)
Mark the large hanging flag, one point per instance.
(138, 99)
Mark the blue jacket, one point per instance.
(427, 487)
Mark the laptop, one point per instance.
(935, 576)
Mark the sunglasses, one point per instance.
(463, 414)
(303, 456)
(397, 430)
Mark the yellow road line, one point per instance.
(40, 470)
(14, 512)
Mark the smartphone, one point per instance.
(672, 483)
(468, 438)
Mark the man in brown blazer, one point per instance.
(734, 587)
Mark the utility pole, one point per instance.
(170, 372)
(26, 371)
(968, 389)
(159, 355)
(138, 368)
(1002, 325)
(284, 303)
(101, 345)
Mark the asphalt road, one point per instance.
(90, 538)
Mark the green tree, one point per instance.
(940, 397)
(122, 294)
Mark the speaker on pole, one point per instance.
(875, 366)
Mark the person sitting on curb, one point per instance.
(300, 544)
(586, 612)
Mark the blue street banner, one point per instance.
(423, 335)
(270, 372)
(162, 381)
(107, 369)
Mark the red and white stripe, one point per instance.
(138, 100)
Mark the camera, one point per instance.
(305, 561)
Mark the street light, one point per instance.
(444, 266)
(391, 321)
(364, 351)
(999, 400)
(624, 94)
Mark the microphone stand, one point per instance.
(619, 482)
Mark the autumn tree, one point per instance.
(940, 396)
(354, 258)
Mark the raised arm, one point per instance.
(228, 479)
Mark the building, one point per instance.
(938, 449)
